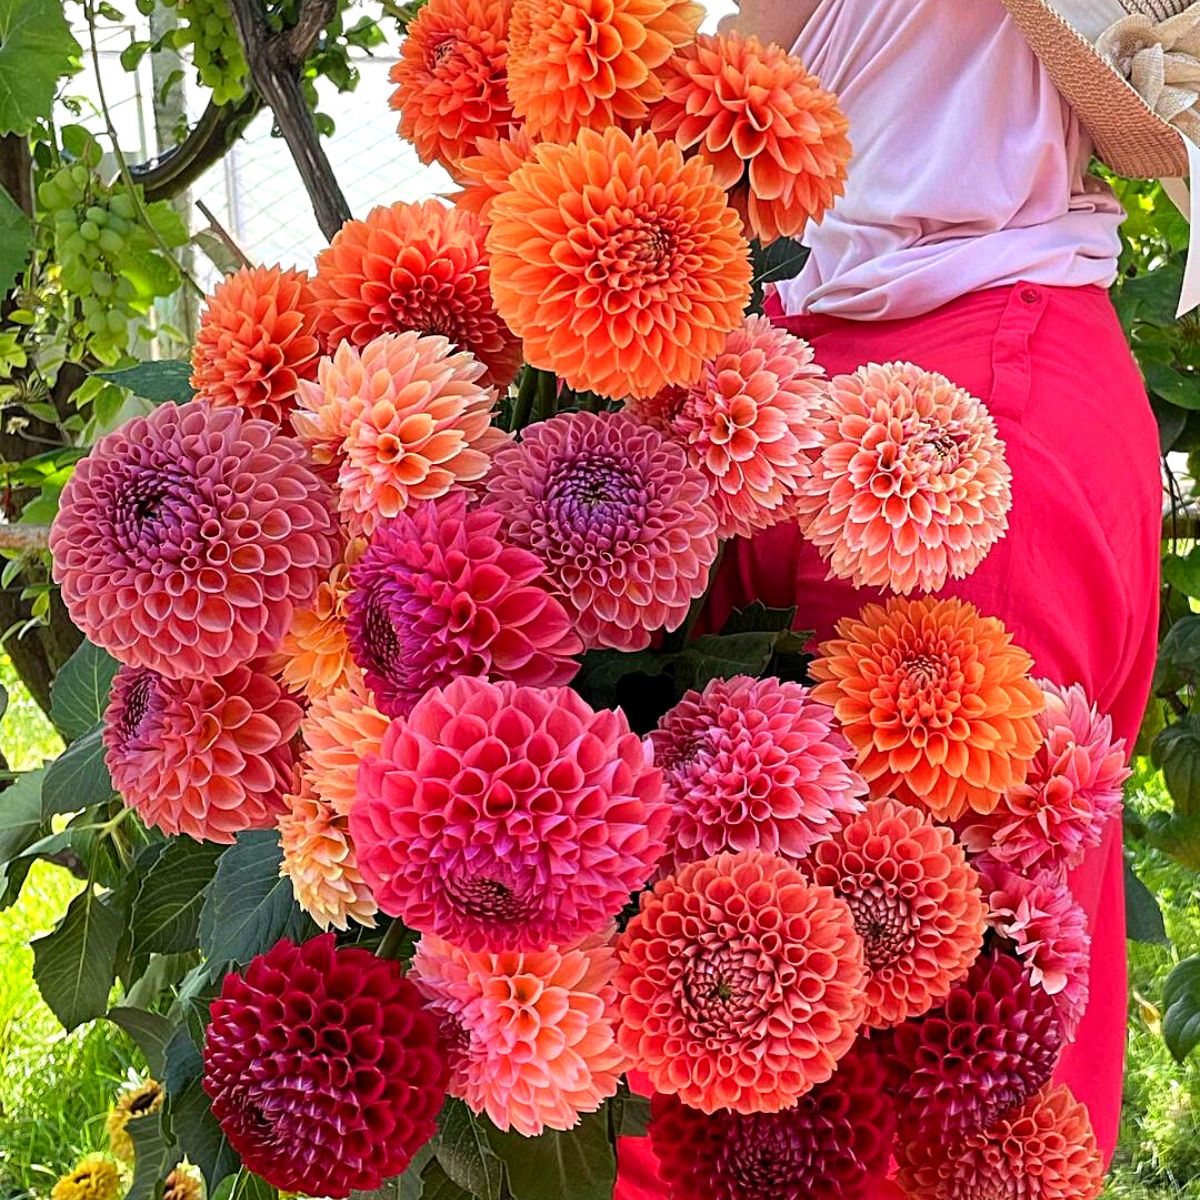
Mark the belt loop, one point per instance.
(1011, 357)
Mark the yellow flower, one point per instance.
(184, 1183)
(135, 1102)
(94, 1178)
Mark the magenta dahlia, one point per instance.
(503, 817)
(185, 540)
(325, 1070)
(438, 595)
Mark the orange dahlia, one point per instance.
(591, 64)
(450, 80)
(413, 266)
(1046, 1150)
(339, 730)
(915, 902)
(620, 264)
(775, 138)
(485, 174)
(256, 341)
(937, 701)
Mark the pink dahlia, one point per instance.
(753, 764)
(205, 757)
(438, 595)
(622, 522)
(741, 984)
(1072, 789)
(504, 817)
(531, 1033)
(832, 1144)
(746, 423)
(325, 1071)
(909, 486)
(185, 540)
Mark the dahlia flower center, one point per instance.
(640, 252)
(152, 513)
(382, 644)
(440, 52)
(928, 687)
(724, 989)
(488, 899)
(885, 922)
(594, 493)
(941, 445)
(766, 1160)
(138, 695)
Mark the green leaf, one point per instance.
(156, 1155)
(1143, 917)
(403, 1187)
(758, 618)
(245, 1185)
(78, 777)
(75, 966)
(579, 1164)
(1175, 387)
(79, 694)
(1178, 657)
(167, 379)
(722, 656)
(167, 222)
(16, 240)
(463, 1152)
(437, 1185)
(248, 907)
(1181, 1005)
(1183, 571)
(182, 1059)
(628, 1113)
(602, 671)
(21, 814)
(36, 48)
(199, 1136)
(151, 1031)
(166, 911)
(1176, 751)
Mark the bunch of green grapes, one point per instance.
(216, 52)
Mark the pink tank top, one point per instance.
(969, 171)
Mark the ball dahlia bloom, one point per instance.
(915, 901)
(319, 859)
(741, 984)
(620, 265)
(418, 267)
(339, 730)
(774, 137)
(832, 1144)
(503, 817)
(186, 539)
(1045, 1150)
(621, 521)
(531, 1033)
(401, 421)
(937, 701)
(325, 1070)
(1073, 788)
(987, 1050)
(450, 80)
(205, 757)
(576, 65)
(94, 1177)
(909, 487)
(746, 423)
(256, 341)
(438, 595)
(485, 174)
(753, 764)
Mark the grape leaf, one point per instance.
(36, 48)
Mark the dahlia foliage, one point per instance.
(433, 745)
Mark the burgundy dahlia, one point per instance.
(325, 1070)
(186, 538)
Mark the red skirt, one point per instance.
(1075, 580)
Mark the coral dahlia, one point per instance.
(774, 137)
(504, 817)
(531, 1032)
(450, 80)
(438, 595)
(910, 486)
(185, 540)
(937, 701)
(621, 521)
(485, 174)
(620, 265)
(418, 267)
(325, 1070)
(741, 984)
(753, 764)
(205, 757)
(579, 64)
(746, 424)
(339, 730)
(256, 341)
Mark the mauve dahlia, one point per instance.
(620, 519)
(741, 984)
(205, 757)
(746, 423)
(916, 904)
(419, 267)
(832, 1144)
(1072, 790)
(1045, 1150)
(531, 1032)
(185, 540)
(339, 730)
(991, 1046)
(753, 764)
(910, 486)
(937, 701)
(504, 817)
(325, 1070)
(438, 595)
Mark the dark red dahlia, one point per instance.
(325, 1070)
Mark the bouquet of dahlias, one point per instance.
(413, 603)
